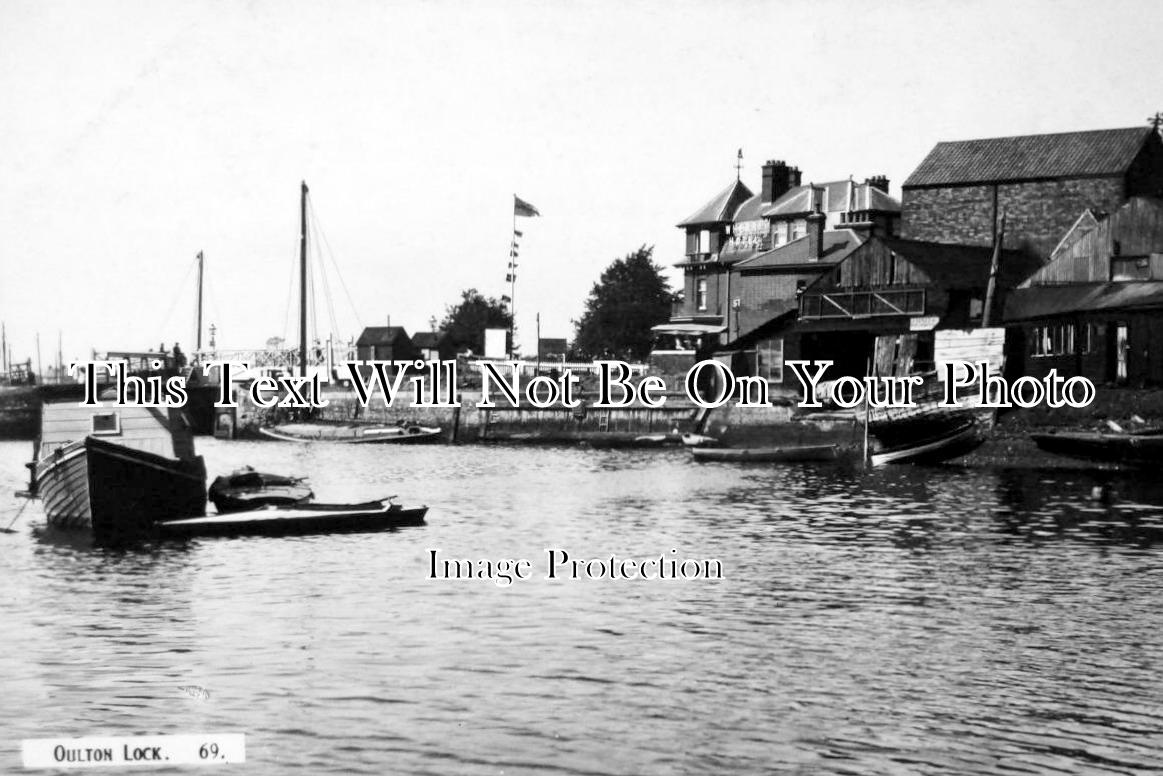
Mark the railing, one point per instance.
(862, 304)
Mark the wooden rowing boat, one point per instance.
(945, 445)
(352, 433)
(1136, 448)
(793, 454)
(379, 515)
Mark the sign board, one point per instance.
(495, 343)
(924, 323)
(970, 345)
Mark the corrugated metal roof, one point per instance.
(1026, 157)
(837, 245)
(721, 208)
(1049, 301)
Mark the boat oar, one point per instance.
(19, 512)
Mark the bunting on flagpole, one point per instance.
(523, 208)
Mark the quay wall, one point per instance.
(468, 423)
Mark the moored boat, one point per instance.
(249, 489)
(114, 472)
(379, 515)
(943, 445)
(351, 433)
(791, 454)
(1135, 448)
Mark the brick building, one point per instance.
(1041, 182)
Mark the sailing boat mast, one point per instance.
(303, 282)
(198, 346)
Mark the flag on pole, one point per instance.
(523, 208)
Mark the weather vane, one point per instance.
(739, 164)
(1156, 120)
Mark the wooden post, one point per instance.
(867, 405)
(986, 314)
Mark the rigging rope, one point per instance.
(338, 274)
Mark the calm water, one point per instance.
(904, 621)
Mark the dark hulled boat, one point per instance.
(301, 519)
(932, 442)
(114, 472)
(1136, 448)
(247, 489)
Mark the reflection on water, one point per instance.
(895, 621)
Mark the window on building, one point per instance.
(701, 293)
(1054, 340)
(1130, 268)
(704, 241)
(106, 424)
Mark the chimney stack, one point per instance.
(387, 320)
(794, 177)
(878, 182)
(815, 235)
(778, 179)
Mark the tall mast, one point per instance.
(303, 282)
(4, 348)
(198, 347)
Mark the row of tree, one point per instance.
(629, 298)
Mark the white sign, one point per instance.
(924, 323)
(495, 343)
(205, 749)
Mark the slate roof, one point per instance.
(832, 197)
(721, 208)
(1030, 157)
(380, 335)
(838, 244)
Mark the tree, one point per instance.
(465, 323)
(630, 297)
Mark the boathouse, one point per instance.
(1096, 309)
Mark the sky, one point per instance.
(137, 134)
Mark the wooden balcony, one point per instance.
(862, 304)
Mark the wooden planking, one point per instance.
(142, 428)
(971, 345)
(1137, 227)
(64, 489)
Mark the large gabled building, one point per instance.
(1040, 182)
